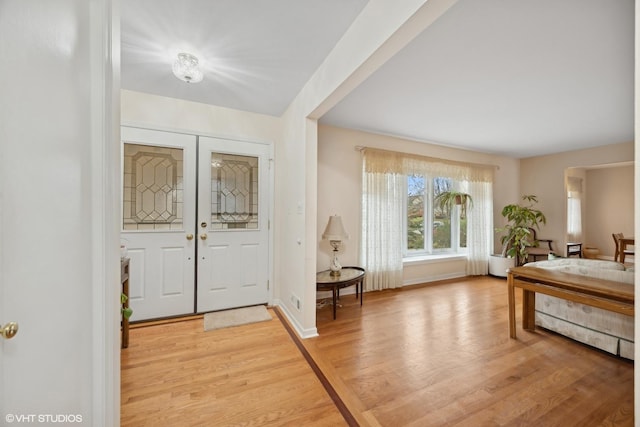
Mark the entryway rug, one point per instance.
(235, 317)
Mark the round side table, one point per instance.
(349, 276)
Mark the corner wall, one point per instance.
(381, 29)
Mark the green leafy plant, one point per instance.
(446, 200)
(521, 218)
(126, 311)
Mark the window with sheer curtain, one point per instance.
(386, 192)
(574, 209)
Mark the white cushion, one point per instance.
(591, 263)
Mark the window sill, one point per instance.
(429, 259)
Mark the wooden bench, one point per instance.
(605, 294)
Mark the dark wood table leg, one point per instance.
(512, 306)
(335, 302)
(528, 310)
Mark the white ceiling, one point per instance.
(256, 55)
(517, 78)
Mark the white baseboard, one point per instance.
(352, 290)
(302, 333)
(428, 279)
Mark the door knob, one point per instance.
(189, 236)
(9, 330)
(203, 236)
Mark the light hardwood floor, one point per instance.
(177, 374)
(430, 355)
(441, 355)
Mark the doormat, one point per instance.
(235, 317)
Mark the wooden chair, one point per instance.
(541, 249)
(617, 256)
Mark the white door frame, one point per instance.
(106, 178)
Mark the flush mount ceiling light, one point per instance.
(186, 68)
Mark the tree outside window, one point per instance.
(446, 231)
(415, 212)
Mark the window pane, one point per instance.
(463, 231)
(441, 217)
(415, 212)
(234, 191)
(574, 216)
(152, 188)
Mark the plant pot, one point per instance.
(498, 265)
(590, 252)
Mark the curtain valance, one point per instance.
(574, 184)
(385, 161)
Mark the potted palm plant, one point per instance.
(517, 236)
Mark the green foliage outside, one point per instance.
(441, 227)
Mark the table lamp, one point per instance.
(335, 234)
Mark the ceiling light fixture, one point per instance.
(186, 68)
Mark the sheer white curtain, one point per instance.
(479, 228)
(382, 226)
(574, 209)
(383, 198)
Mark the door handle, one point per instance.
(203, 236)
(189, 236)
(9, 330)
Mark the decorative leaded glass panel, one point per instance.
(234, 191)
(152, 188)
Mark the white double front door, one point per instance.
(195, 222)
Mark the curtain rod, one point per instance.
(362, 148)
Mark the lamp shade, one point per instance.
(335, 229)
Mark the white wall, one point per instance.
(340, 188)
(543, 176)
(59, 245)
(159, 112)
